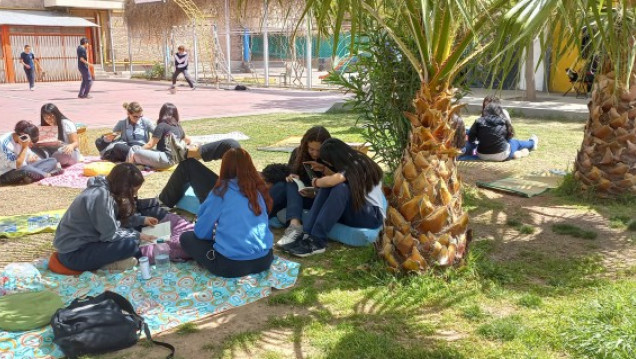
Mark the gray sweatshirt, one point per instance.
(92, 218)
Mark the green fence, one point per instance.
(279, 46)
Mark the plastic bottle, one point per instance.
(162, 256)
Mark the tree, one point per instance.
(606, 161)
(426, 224)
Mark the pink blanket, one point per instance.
(73, 176)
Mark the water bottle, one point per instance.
(162, 256)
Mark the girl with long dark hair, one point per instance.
(67, 151)
(352, 195)
(98, 229)
(494, 134)
(231, 237)
(286, 194)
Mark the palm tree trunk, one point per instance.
(426, 224)
(606, 162)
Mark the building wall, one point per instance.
(21, 4)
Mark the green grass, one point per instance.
(574, 231)
(517, 296)
(187, 328)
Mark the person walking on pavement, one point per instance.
(84, 68)
(28, 61)
(181, 65)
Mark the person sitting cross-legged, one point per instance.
(351, 196)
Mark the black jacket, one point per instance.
(492, 132)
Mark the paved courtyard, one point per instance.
(105, 108)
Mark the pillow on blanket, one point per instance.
(178, 225)
(98, 168)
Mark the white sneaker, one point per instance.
(290, 235)
(521, 153)
(535, 140)
(122, 265)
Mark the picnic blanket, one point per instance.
(73, 176)
(25, 224)
(236, 135)
(183, 294)
(527, 185)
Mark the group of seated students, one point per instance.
(491, 137)
(23, 160)
(231, 236)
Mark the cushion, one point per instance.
(27, 311)
(189, 202)
(352, 236)
(56, 266)
(98, 168)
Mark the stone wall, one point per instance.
(22, 4)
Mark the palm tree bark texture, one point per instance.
(426, 225)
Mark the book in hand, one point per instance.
(160, 231)
(302, 189)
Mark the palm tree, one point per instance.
(426, 225)
(606, 161)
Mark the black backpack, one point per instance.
(97, 325)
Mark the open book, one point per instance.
(302, 188)
(161, 231)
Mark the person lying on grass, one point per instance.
(352, 195)
(231, 237)
(101, 227)
(286, 194)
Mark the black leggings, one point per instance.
(203, 252)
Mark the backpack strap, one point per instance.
(125, 305)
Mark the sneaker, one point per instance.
(306, 247)
(178, 148)
(31, 88)
(535, 141)
(124, 264)
(521, 153)
(56, 172)
(292, 233)
(193, 88)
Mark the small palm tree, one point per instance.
(426, 224)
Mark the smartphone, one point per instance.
(24, 137)
(310, 171)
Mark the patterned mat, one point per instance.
(236, 135)
(73, 176)
(183, 294)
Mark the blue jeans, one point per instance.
(333, 205)
(95, 255)
(516, 145)
(30, 74)
(87, 82)
(35, 170)
(285, 195)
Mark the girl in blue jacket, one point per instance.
(231, 237)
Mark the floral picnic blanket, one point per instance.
(184, 293)
(73, 176)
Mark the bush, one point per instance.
(156, 72)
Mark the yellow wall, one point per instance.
(559, 81)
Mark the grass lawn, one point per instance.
(530, 289)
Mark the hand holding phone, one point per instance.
(24, 138)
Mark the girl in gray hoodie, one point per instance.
(97, 229)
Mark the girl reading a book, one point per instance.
(287, 194)
(65, 147)
(98, 229)
(352, 195)
(134, 130)
(231, 237)
(18, 163)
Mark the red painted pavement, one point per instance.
(105, 108)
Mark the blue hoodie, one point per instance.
(240, 235)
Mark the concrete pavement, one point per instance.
(105, 108)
